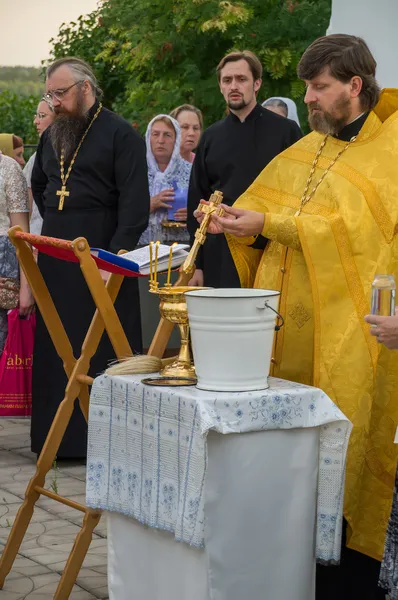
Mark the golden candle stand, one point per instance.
(173, 307)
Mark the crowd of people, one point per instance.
(312, 217)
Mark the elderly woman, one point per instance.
(286, 107)
(190, 120)
(11, 145)
(14, 210)
(168, 177)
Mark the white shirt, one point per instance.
(36, 222)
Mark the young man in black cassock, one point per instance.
(98, 159)
(231, 154)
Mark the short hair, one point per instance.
(277, 103)
(165, 120)
(252, 60)
(17, 141)
(81, 71)
(190, 108)
(346, 56)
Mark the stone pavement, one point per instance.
(50, 537)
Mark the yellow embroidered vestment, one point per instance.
(324, 262)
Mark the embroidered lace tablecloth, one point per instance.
(147, 450)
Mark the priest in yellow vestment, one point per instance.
(329, 208)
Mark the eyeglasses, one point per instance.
(41, 115)
(59, 94)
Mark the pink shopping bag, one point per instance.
(16, 366)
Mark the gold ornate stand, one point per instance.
(173, 307)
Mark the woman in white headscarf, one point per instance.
(278, 102)
(168, 178)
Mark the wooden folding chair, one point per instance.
(78, 384)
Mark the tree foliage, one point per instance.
(16, 115)
(152, 55)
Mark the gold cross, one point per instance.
(62, 193)
(209, 209)
(200, 234)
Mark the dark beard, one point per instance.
(66, 133)
(237, 105)
(326, 122)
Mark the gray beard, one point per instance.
(66, 133)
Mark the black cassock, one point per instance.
(230, 155)
(108, 205)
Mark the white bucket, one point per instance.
(232, 334)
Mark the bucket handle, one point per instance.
(278, 314)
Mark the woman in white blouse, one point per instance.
(14, 210)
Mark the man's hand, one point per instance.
(197, 280)
(385, 329)
(236, 221)
(162, 200)
(240, 222)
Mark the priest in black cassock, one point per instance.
(99, 161)
(231, 154)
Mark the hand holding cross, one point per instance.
(207, 210)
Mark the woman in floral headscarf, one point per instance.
(168, 178)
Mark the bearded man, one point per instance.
(329, 207)
(89, 179)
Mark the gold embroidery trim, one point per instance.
(290, 200)
(316, 304)
(300, 315)
(283, 286)
(373, 200)
(354, 283)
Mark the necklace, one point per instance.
(63, 192)
(306, 197)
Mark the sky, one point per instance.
(27, 25)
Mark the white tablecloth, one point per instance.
(251, 501)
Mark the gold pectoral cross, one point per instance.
(62, 193)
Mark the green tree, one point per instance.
(16, 115)
(151, 55)
(86, 38)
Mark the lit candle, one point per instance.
(150, 264)
(155, 275)
(169, 266)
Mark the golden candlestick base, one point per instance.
(174, 224)
(173, 308)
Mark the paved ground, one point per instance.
(46, 546)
